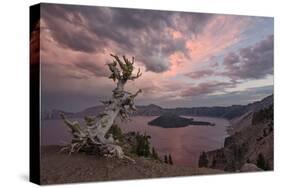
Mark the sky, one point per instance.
(187, 59)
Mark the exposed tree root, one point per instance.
(91, 137)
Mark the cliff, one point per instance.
(250, 143)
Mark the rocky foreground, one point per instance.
(61, 168)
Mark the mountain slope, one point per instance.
(253, 143)
(228, 112)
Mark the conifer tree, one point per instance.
(170, 160)
(203, 160)
(165, 159)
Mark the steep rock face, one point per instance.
(237, 124)
(252, 144)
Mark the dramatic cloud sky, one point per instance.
(187, 59)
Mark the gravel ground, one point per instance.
(59, 168)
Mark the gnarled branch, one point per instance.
(93, 136)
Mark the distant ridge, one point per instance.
(228, 112)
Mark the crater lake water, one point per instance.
(184, 144)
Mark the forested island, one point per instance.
(170, 120)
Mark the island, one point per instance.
(170, 120)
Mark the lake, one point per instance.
(184, 144)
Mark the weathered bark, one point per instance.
(92, 136)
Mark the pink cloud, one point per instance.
(220, 33)
(78, 44)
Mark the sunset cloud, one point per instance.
(206, 88)
(139, 32)
(182, 55)
(252, 62)
(220, 33)
(200, 74)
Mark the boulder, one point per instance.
(250, 167)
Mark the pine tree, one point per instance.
(143, 146)
(115, 131)
(146, 147)
(170, 160)
(261, 163)
(165, 159)
(154, 154)
(203, 160)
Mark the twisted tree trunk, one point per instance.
(92, 137)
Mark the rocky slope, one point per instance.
(61, 168)
(238, 123)
(251, 142)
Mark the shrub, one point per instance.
(170, 160)
(203, 160)
(261, 163)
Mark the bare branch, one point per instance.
(121, 64)
(106, 102)
(114, 70)
(93, 136)
(134, 95)
(133, 60)
(136, 76)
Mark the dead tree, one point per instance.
(92, 136)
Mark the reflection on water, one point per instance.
(184, 144)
